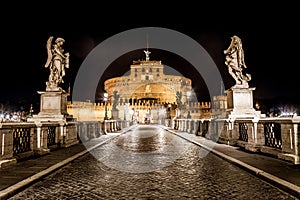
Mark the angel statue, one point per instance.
(116, 100)
(147, 55)
(235, 62)
(57, 61)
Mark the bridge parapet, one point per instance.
(88, 130)
(278, 136)
(26, 139)
(195, 126)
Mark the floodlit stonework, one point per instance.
(148, 83)
(146, 91)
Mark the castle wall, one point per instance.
(87, 111)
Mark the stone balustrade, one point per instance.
(88, 130)
(194, 126)
(26, 139)
(278, 137)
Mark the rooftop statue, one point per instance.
(147, 55)
(57, 61)
(235, 61)
(116, 100)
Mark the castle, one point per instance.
(147, 90)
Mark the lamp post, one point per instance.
(169, 111)
(257, 105)
(169, 115)
(105, 98)
(188, 96)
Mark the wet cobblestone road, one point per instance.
(150, 163)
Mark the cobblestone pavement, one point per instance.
(150, 163)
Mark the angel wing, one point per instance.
(49, 53)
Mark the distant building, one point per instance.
(147, 83)
(146, 91)
(219, 106)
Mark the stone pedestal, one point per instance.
(126, 112)
(53, 107)
(53, 112)
(115, 114)
(240, 103)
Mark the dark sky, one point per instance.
(270, 39)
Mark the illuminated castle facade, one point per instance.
(147, 83)
(147, 90)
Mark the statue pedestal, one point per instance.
(53, 113)
(115, 114)
(53, 106)
(240, 102)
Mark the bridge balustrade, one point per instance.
(243, 134)
(194, 126)
(88, 130)
(26, 139)
(274, 136)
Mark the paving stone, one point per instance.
(187, 177)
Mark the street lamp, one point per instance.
(188, 96)
(257, 105)
(105, 98)
(169, 111)
(169, 115)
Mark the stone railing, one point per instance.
(23, 140)
(26, 139)
(194, 126)
(275, 136)
(88, 130)
(278, 137)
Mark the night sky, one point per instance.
(270, 42)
